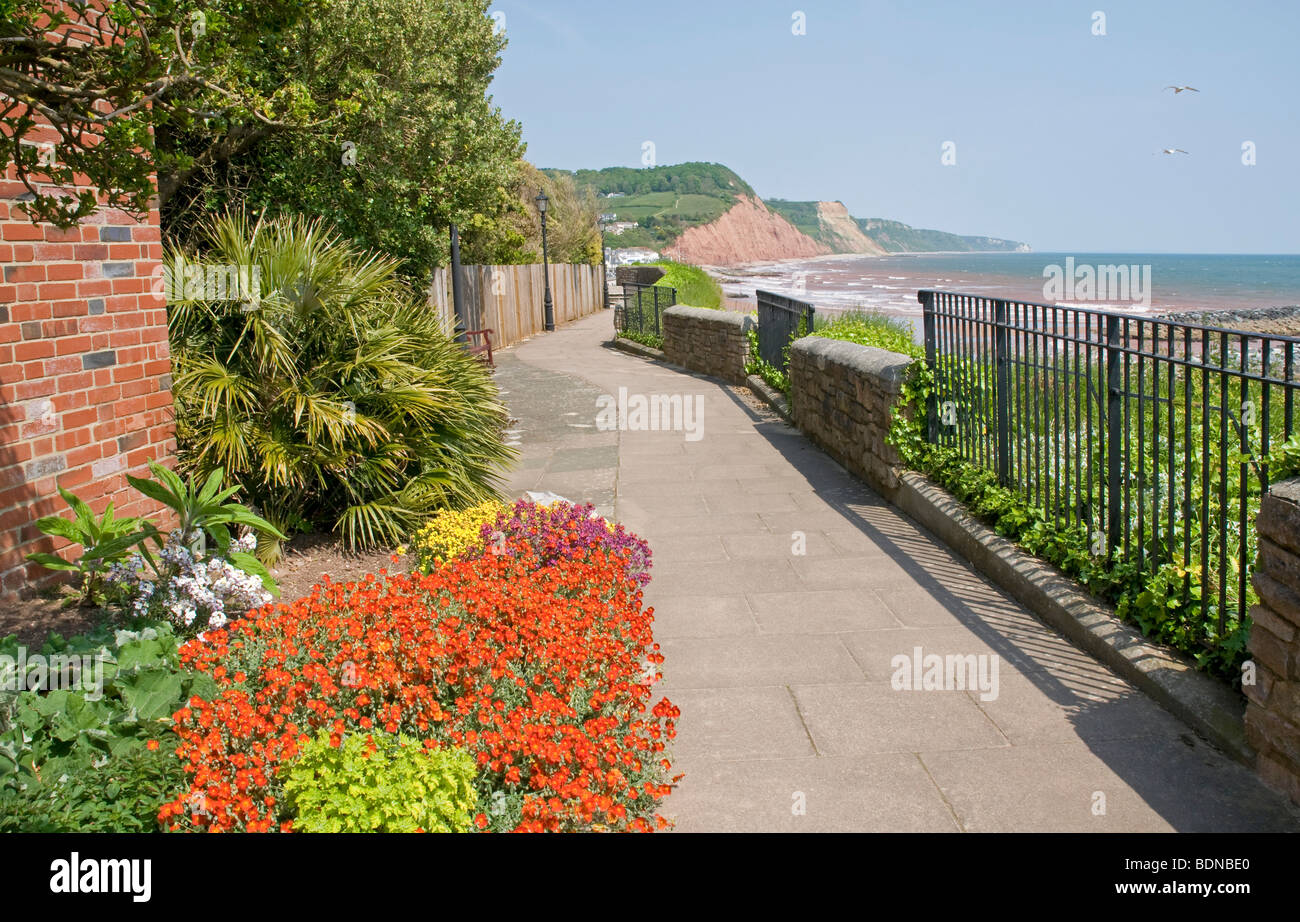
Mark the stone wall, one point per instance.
(1273, 701)
(713, 342)
(841, 396)
(85, 371)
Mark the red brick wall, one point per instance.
(84, 371)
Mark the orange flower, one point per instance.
(535, 668)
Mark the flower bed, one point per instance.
(531, 652)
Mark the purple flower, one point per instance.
(564, 531)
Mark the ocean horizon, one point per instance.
(1152, 283)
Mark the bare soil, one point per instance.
(36, 619)
(310, 558)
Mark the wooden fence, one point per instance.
(509, 299)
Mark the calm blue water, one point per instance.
(890, 283)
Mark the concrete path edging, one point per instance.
(635, 348)
(1202, 702)
(771, 396)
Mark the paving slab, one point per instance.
(818, 611)
(738, 662)
(783, 663)
(879, 793)
(1119, 786)
(752, 722)
(710, 616)
(847, 720)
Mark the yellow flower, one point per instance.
(450, 533)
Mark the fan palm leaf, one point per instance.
(333, 397)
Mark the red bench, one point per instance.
(483, 348)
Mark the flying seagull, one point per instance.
(1179, 89)
(1173, 150)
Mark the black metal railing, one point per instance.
(640, 310)
(778, 323)
(1152, 434)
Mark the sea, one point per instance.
(1152, 283)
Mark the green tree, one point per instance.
(572, 231)
(401, 138)
(373, 114)
(84, 85)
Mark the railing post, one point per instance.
(1114, 434)
(1002, 361)
(931, 346)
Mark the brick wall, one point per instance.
(84, 371)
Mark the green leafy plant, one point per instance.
(380, 783)
(334, 399)
(694, 286)
(1284, 459)
(757, 365)
(94, 699)
(869, 328)
(203, 515)
(653, 340)
(123, 795)
(93, 534)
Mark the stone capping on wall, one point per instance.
(1273, 701)
(842, 395)
(713, 342)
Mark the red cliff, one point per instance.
(749, 232)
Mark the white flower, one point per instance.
(189, 589)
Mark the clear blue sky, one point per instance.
(1056, 130)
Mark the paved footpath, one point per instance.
(781, 661)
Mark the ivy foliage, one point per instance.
(1165, 605)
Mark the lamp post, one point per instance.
(457, 298)
(604, 269)
(549, 318)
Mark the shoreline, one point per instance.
(1222, 284)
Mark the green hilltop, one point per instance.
(664, 201)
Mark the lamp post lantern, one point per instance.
(542, 203)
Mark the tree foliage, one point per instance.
(404, 138)
(683, 178)
(83, 85)
(373, 114)
(572, 228)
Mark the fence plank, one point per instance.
(510, 299)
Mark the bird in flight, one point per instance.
(1173, 150)
(1179, 89)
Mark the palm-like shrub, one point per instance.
(329, 393)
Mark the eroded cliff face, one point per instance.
(749, 232)
(842, 232)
